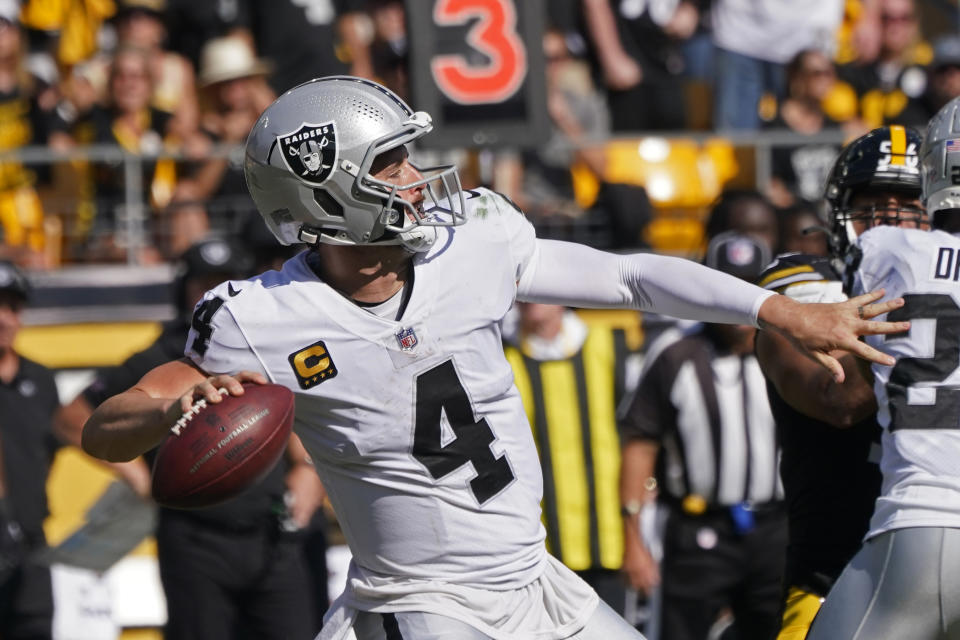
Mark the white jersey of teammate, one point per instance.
(415, 426)
(918, 397)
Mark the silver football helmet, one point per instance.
(940, 160)
(308, 162)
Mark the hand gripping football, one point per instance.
(216, 451)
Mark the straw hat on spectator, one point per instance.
(229, 58)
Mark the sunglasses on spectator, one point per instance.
(892, 17)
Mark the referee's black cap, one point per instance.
(13, 280)
(738, 254)
(216, 256)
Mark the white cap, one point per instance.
(228, 58)
(10, 11)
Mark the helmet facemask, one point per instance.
(873, 215)
(882, 164)
(401, 221)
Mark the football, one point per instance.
(215, 451)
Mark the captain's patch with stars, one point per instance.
(312, 365)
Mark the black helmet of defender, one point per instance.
(885, 160)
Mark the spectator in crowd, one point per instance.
(306, 40)
(641, 62)
(26, 118)
(191, 24)
(543, 181)
(237, 569)
(859, 35)
(389, 49)
(28, 441)
(799, 171)
(746, 211)
(140, 24)
(572, 377)
(233, 94)
(128, 120)
(943, 83)
(945, 73)
(699, 431)
(885, 85)
(802, 230)
(754, 43)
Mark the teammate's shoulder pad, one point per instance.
(792, 268)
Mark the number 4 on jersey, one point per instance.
(440, 391)
(202, 317)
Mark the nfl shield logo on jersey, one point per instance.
(407, 339)
(310, 152)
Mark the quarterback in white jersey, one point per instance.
(387, 330)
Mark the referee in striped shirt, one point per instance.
(699, 432)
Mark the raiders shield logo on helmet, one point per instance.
(311, 151)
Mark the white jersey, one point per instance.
(410, 421)
(415, 426)
(918, 397)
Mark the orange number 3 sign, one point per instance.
(494, 35)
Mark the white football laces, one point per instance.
(195, 408)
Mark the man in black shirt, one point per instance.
(830, 442)
(306, 40)
(28, 402)
(234, 570)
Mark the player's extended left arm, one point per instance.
(576, 275)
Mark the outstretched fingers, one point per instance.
(865, 351)
(867, 307)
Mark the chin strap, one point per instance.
(418, 239)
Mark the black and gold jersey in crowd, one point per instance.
(830, 477)
(572, 407)
(22, 123)
(883, 98)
